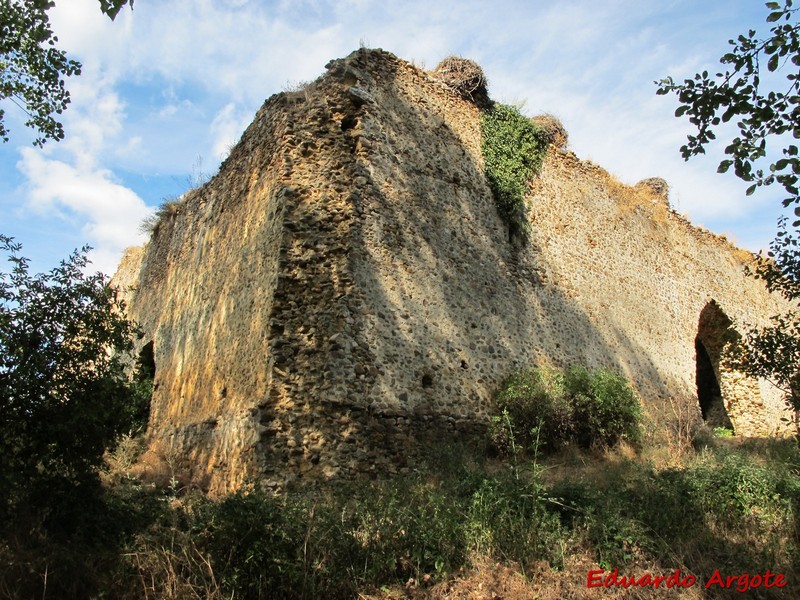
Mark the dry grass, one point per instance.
(171, 570)
(486, 580)
(162, 466)
(298, 91)
(746, 257)
(684, 432)
(167, 212)
(637, 199)
(490, 580)
(655, 186)
(121, 463)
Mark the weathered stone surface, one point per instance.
(344, 290)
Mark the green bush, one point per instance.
(403, 529)
(534, 409)
(737, 490)
(255, 544)
(513, 149)
(66, 394)
(606, 408)
(544, 408)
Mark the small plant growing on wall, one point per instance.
(513, 148)
(168, 210)
(171, 206)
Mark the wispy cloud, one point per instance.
(109, 212)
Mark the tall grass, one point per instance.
(729, 509)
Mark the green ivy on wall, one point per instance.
(513, 149)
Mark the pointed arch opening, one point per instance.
(714, 330)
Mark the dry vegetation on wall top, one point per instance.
(638, 198)
(553, 129)
(466, 77)
(169, 209)
(655, 185)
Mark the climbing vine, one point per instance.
(513, 149)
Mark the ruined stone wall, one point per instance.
(343, 295)
(347, 394)
(202, 292)
(644, 275)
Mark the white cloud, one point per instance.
(86, 33)
(226, 128)
(131, 147)
(109, 212)
(96, 120)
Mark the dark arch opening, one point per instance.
(147, 363)
(713, 331)
(143, 392)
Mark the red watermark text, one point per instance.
(598, 578)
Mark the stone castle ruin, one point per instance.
(343, 291)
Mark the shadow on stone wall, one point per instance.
(401, 304)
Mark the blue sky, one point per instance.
(169, 87)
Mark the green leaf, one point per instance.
(112, 7)
(772, 65)
(724, 166)
(751, 189)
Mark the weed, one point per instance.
(723, 432)
(510, 520)
(298, 91)
(639, 198)
(171, 206)
(169, 209)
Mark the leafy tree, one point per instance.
(766, 109)
(65, 396)
(32, 68)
